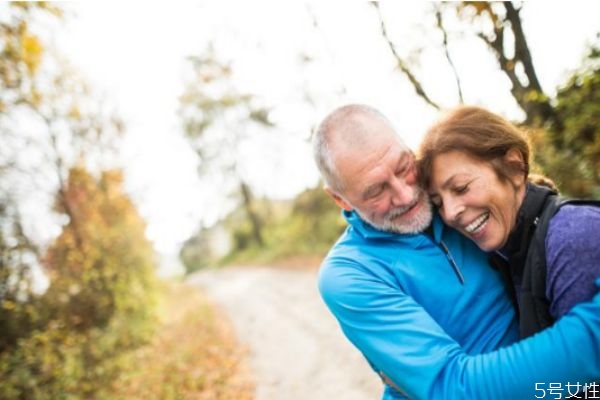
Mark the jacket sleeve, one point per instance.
(401, 341)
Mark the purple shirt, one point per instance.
(572, 257)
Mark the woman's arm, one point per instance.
(572, 257)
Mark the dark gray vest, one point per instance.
(530, 260)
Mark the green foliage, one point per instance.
(312, 226)
(304, 227)
(17, 318)
(48, 119)
(100, 303)
(570, 152)
(70, 342)
(196, 253)
(21, 54)
(61, 364)
(102, 262)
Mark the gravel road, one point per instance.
(297, 351)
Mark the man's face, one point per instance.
(380, 183)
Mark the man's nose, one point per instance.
(403, 193)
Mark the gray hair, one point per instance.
(347, 122)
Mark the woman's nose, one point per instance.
(452, 210)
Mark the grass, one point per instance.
(194, 355)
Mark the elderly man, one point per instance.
(420, 301)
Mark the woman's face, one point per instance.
(471, 198)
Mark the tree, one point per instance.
(570, 152)
(49, 119)
(507, 33)
(197, 253)
(21, 53)
(101, 265)
(563, 131)
(61, 343)
(219, 120)
(100, 302)
(502, 32)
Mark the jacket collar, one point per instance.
(368, 231)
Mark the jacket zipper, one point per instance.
(452, 262)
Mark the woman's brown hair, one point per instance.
(479, 133)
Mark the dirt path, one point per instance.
(297, 351)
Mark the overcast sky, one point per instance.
(135, 52)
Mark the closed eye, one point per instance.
(400, 172)
(373, 192)
(461, 189)
(404, 168)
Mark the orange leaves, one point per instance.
(472, 9)
(100, 304)
(102, 251)
(193, 356)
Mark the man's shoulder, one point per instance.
(347, 283)
(351, 264)
(347, 259)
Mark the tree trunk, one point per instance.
(529, 95)
(255, 222)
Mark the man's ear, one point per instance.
(339, 200)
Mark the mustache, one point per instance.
(398, 211)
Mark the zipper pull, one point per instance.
(452, 262)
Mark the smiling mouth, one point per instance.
(478, 224)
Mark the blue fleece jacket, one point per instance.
(430, 313)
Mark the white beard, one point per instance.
(417, 224)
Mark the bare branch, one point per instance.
(507, 65)
(401, 63)
(440, 25)
(62, 185)
(537, 107)
(522, 52)
(317, 27)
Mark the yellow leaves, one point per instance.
(31, 51)
(102, 263)
(8, 305)
(479, 8)
(74, 112)
(193, 356)
(533, 95)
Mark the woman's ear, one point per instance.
(515, 157)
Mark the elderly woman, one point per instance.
(475, 166)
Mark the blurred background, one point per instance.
(141, 141)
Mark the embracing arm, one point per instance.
(402, 341)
